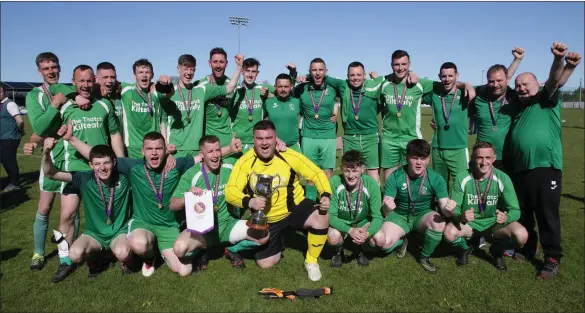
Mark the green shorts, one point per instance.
(135, 152)
(392, 152)
(165, 236)
(186, 153)
(487, 224)
(221, 233)
(368, 145)
(105, 242)
(295, 147)
(48, 185)
(322, 152)
(407, 224)
(450, 162)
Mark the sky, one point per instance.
(473, 35)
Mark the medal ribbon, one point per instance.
(215, 186)
(412, 202)
(400, 102)
(482, 198)
(250, 104)
(139, 91)
(317, 105)
(110, 201)
(357, 204)
(492, 115)
(445, 107)
(190, 96)
(356, 109)
(159, 193)
(46, 91)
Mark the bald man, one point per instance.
(536, 156)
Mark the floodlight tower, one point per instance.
(239, 21)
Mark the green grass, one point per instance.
(388, 284)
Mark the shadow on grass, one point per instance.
(572, 197)
(12, 199)
(9, 254)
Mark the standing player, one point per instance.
(355, 198)
(184, 115)
(537, 158)
(283, 110)
(212, 175)
(108, 86)
(486, 204)
(10, 134)
(141, 107)
(287, 208)
(450, 155)
(409, 194)
(106, 196)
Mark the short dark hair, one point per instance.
(352, 158)
(250, 62)
(153, 136)
(317, 60)
(355, 64)
(187, 60)
(418, 148)
(81, 68)
(399, 54)
(106, 66)
(208, 139)
(264, 125)
(46, 56)
(140, 63)
(495, 68)
(448, 65)
(101, 151)
(217, 50)
(282, 76)
(482, 145)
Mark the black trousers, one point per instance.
(539, 195)
(8, 159)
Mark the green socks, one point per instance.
(40, 227)
(242, 245)
(460, 243)
(432, 240)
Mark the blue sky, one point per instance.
(473, 35)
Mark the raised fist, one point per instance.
(263, 92)
(291, 66)
(559, 49)
(239, 60)
(373, 74)
(573, 59)
(164, 80)
(518, 53)
(58, 100)
(235, 144)
(29, 148)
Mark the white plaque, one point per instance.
(199, 212)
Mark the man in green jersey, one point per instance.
(536, 156)
(141, 107)
(184, 115)
(106, 196)
(108, 86)
(409, 196)
(212, 176)
(486, 204)
(355, 209)
(283, 110)
(450, 155)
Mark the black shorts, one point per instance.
(294, 221)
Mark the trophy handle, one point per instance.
(276, 178)
(252, 179)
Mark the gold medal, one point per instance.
(398, 114)
(108, 221)
(160, 206)
(216, 207)
(188, 119)
(151, 117)
(317, 116)
(218, 113)
(356, 117)
(250, 118)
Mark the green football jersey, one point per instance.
(366, 103)
(493, 129)
(184, 114)
(500, 195)
(217, 115)
(342, 215)
(93, 126)
(144, 198)
(535, 137)
(194, 178)
(245, 104)
(455, 109)
(284, 113)
(317, 106)
(96, 217)
(138, 117)
(396, 186)
(408, 125)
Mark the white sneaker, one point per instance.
(482, 242)
(148, 267)
(313, 271)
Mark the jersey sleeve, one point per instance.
(457, 193)
(375, 204)
(426, 84)
(212, 92)
(234, 194)
(439, 186)
(307, 169)
(80, 179)
(390, 187)
(13, 109)
(334, 220)
(550, 100)
(184, 184)
(510, 200)
(125, 165)
(337, 83)
(184, 163)
(68, 91)
(112, 119)
(41, 118)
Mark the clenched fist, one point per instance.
(518, 53)
(573, 59)
(239, 60)
(58, 100)
(468, 216)
(450, 206)
(559, 49)
(29, 148)
(48, 145)
(501, 217)
(389, 203)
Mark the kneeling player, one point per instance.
(355, 197)
(105, 194)
(212, 174)
(408, 195)
(486, 203)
